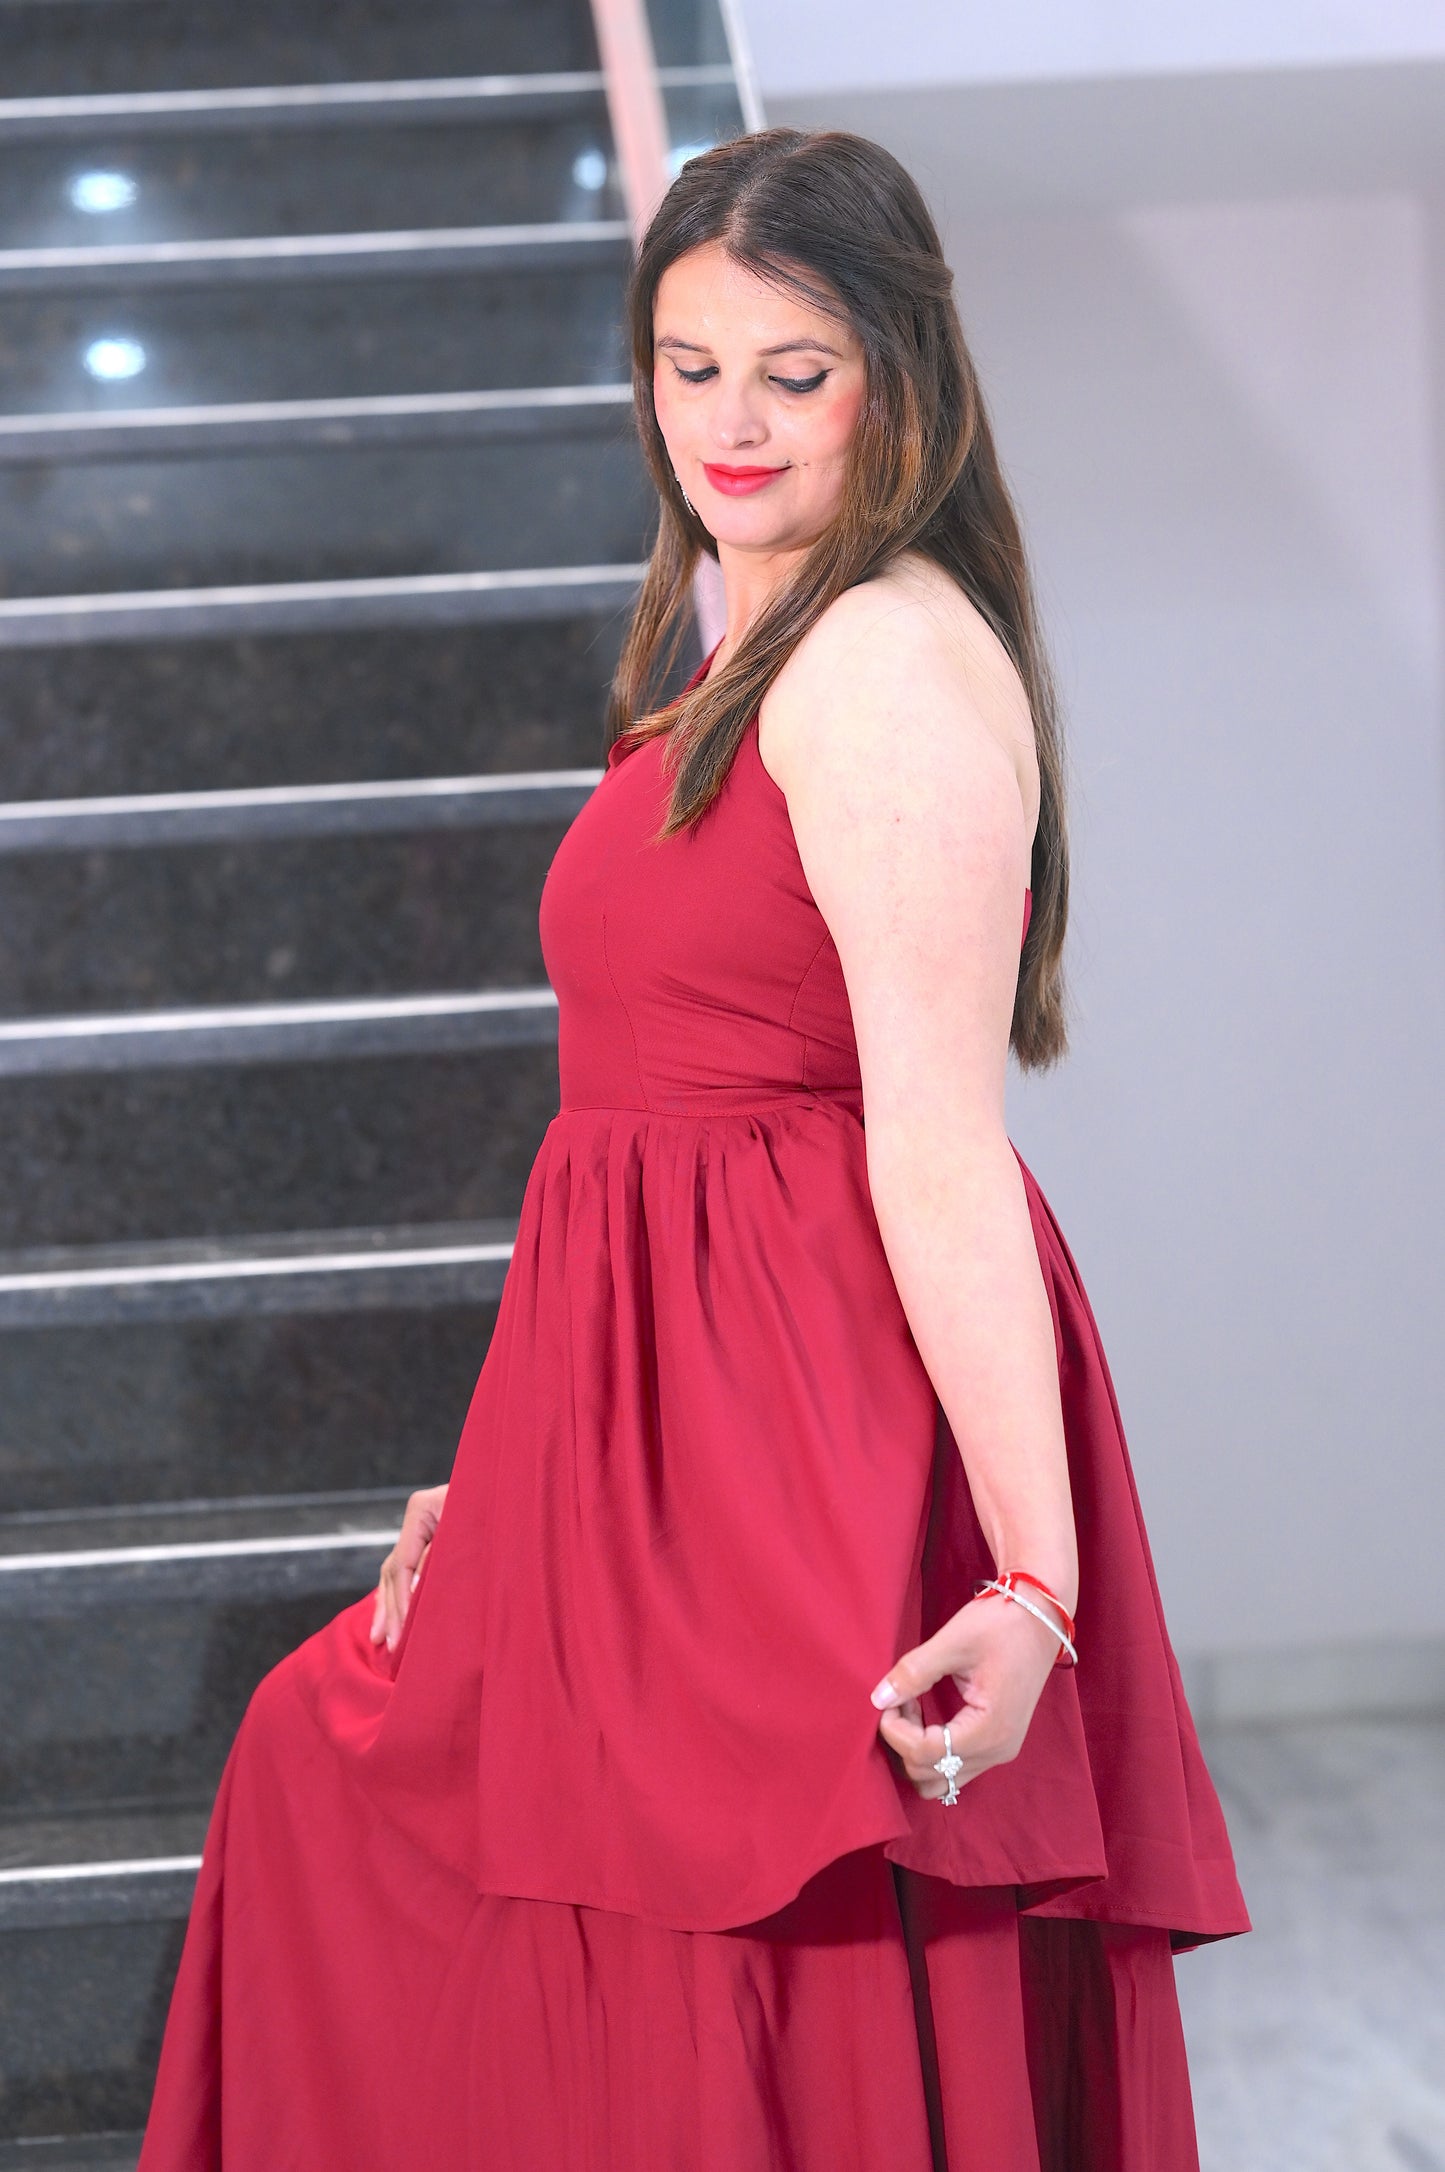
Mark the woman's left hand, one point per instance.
(999, 1659)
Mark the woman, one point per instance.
(584, 1843)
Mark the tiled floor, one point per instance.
(1317, 2044)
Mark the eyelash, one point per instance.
(789, 384)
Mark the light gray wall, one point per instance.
(802, 48)
(1222, 417)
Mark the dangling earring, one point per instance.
(685, 498)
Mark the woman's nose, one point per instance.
(737, 418)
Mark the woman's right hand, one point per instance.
(401, 1570)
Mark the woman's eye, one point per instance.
(789, 384)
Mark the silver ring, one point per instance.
(950, 1766)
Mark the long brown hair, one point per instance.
(838, 220)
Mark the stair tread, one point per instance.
(267, 815)
(92, 1839)
(433, 599)
(180, 1525)
(286, 1248)
(114, 2152)
(339, 424)
(56, 1566)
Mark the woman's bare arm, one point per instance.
(905, 755)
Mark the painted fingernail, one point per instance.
(885, 1694)
(415, 1578)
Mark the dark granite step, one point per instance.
(489, 170)
(324, 514)
(400, 332)
(229, 1150)
(74, 46)
(393, 601)
(109, 267)
(92, 1912)
(404, 807)
(131, 1661)
(355, 1377)
(121, 1862)
(304, 708)
(279, 921)
(150, 1711)
(262, 1547)
(289, 1272)
(244, 1303)
(326, 1031)
(81, 2015)
(71, 2153)
(419, 418)
(220, 109)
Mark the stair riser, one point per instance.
(244, 1149)
(304, 708)
(350, 514)
(334, 338)
(333, 180)
(138, 1703)
(272, 922)
(281, 1403)
(73, 47)
(81, 2014)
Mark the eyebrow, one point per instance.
(788, 346)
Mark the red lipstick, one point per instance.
(739, 482)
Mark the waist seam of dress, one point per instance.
(812, 1098)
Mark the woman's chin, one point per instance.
(736, 531)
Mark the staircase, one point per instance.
(319, 516)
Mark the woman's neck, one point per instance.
(750, 578)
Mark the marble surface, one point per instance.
(1317, 2044)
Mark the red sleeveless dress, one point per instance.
(607, 1868)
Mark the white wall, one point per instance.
(800, 48)
(1223, 418)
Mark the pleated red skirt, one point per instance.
(346, 2005)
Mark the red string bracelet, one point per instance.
(1004, 1587)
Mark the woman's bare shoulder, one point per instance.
(908, 640)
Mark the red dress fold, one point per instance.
(663, 1894)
